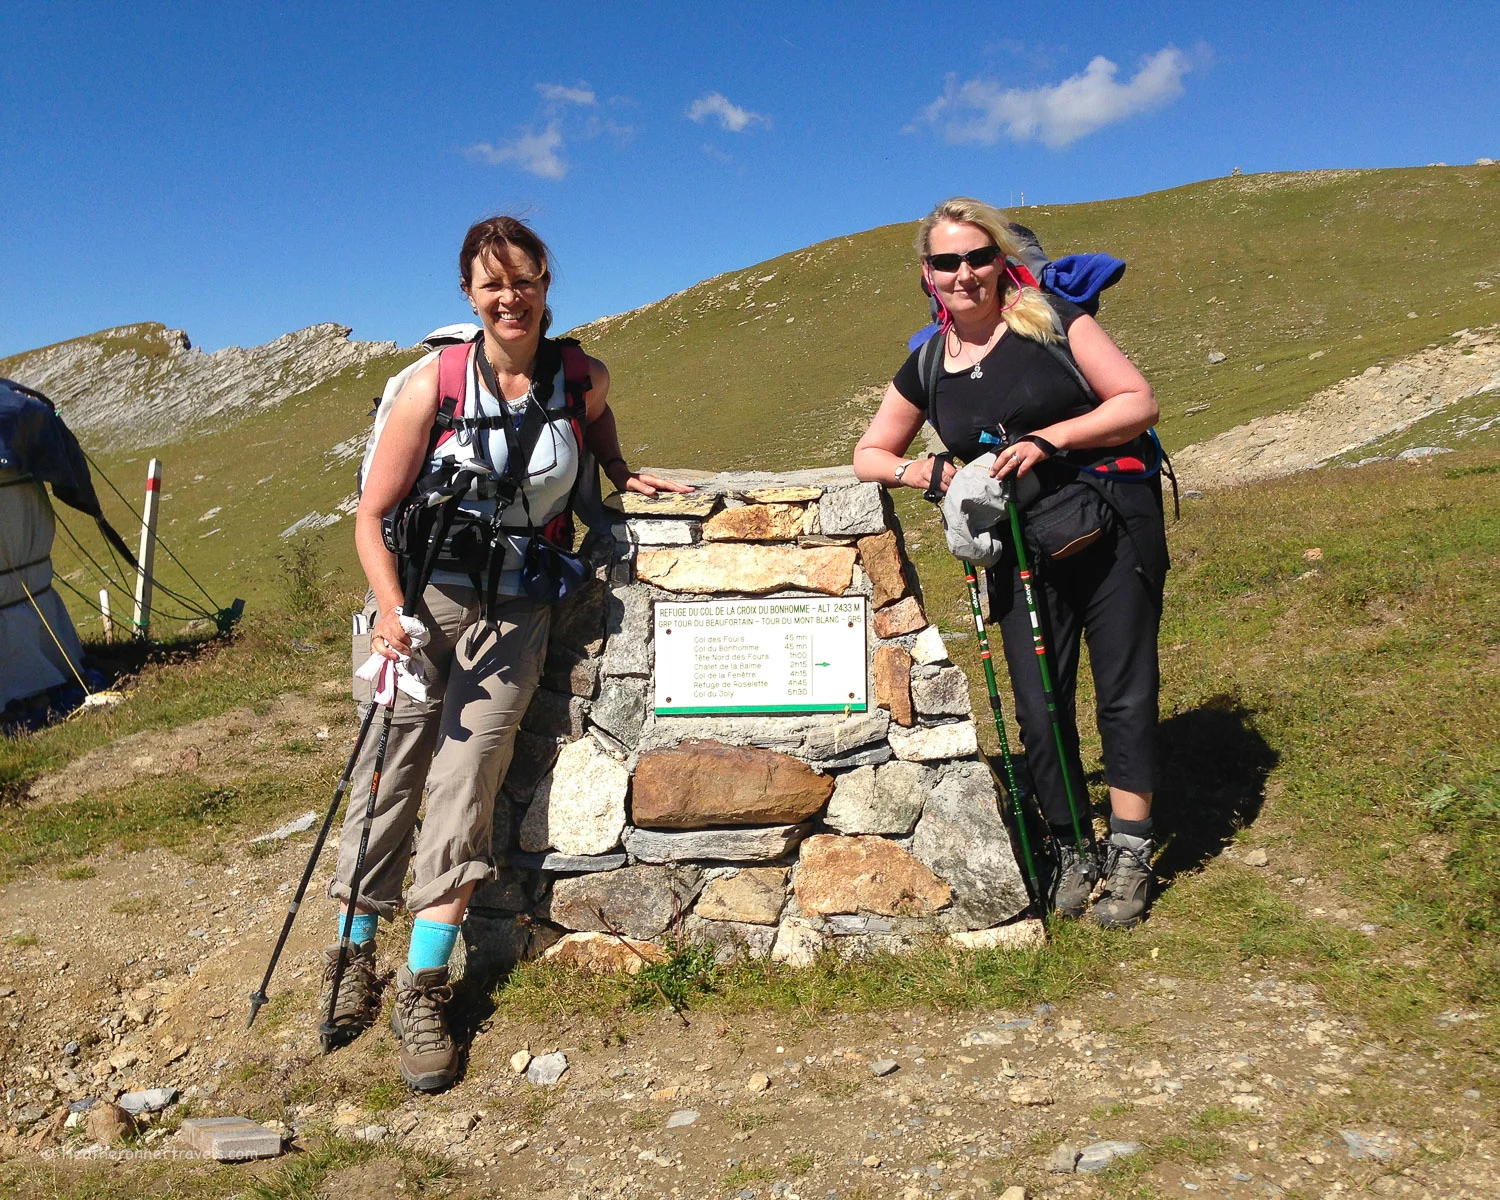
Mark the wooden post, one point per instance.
(109, 624)
(147, 556)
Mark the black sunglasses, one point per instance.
(982, 257)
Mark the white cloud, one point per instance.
(557, 93)
(731, 117)
(533, 152)
(1056, 114)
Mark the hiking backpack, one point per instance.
(427, 529)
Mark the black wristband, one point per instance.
(1041, 444)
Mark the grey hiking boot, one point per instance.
(1077, 872)
(359, 992)
(1127, 882)
(429, 1056)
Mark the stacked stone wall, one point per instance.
(766, 835)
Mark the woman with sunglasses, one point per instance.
(998, 377)
(484, 649)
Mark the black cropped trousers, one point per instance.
(1097, 596)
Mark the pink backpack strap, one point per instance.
(453, 383)
(575, 377)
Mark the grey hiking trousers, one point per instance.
(480, 678)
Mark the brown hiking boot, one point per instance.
(1077, 872)
(429, 1056)
(359, 993)
(1127, 883)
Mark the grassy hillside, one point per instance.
(780, 364)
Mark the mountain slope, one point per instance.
(782, 361)
(1299, 280)
(142, 385)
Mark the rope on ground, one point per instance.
(195, 610)
(47, 625)
(159, 539)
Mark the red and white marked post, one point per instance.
(147, 556)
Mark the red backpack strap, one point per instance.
(453, 377)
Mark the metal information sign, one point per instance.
(798, 655)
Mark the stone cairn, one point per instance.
(763, 835)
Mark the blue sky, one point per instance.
(242, 170)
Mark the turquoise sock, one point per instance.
(363, 929)
(431, 945)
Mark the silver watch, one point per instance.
(901, 470)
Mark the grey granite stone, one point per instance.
(628, 623)
(887, 801)
(852, 510)
(962, 839)
(945, 692)
(566, 864)
(870, 756)
(760, 844)
(640, 901)
(620, 709)
(571, 674)
(553, 714)
(731, 939)
(530, 760)
(231, 1139)
(816, 737)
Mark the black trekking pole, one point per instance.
(258, 997)
(971, 578)
(1041, 661)
(329, 1034)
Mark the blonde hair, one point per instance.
(1028, 314)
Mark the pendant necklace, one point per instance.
(978, 371)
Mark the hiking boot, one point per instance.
(1077, 872)
(1127, 882)
(359, 993)
(429, 1057)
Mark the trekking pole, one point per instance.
(329, 1034)
(1041, 660)
(257, 998)
(971, 578)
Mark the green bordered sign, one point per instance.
(798, 655)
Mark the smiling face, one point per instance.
(509, 292)
(966, 292)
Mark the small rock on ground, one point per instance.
(1101, 1154)
(546, 1069)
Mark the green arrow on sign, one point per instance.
(822, 664)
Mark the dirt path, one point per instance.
(1252, 1086)
(1346, 416)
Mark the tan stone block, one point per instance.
(755, 523)
(665, 504)
(905, 616)
(752, 570)
(604, 952)
(791, 494)
(704, 783)
(1018, 935)
(755, 896)
(880, 555)
(892, 672)
(865, 875)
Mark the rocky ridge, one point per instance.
(1352, 413)
(138, 385)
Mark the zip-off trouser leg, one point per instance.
(480, 678)
(1096, 595)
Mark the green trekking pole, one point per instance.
(971, 578)
(1041, 661)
